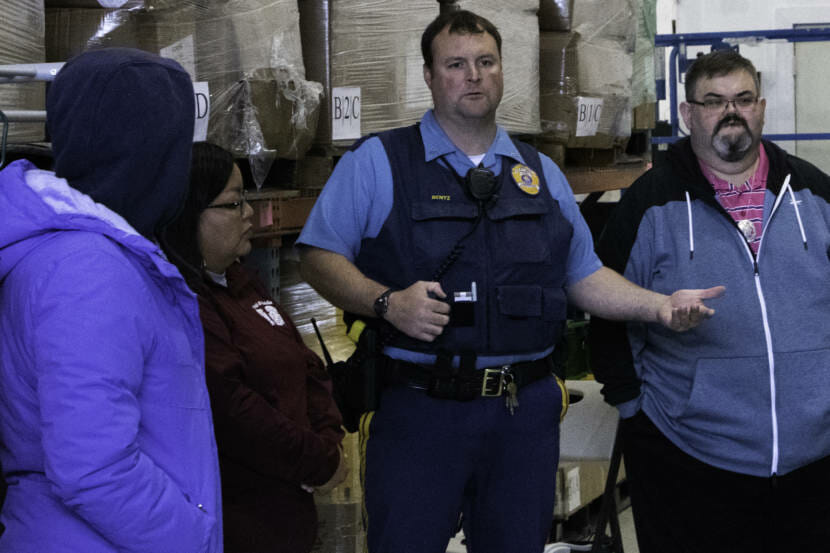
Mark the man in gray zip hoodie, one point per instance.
(725, 427)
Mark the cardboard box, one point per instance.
(643, 81)
(645, 116)
(248, 51)
(267, 109)
(518, 24)
(584, 91)
(279, 211)
(578, 483)
(71, 31)
(375, 47)
(558, 84)
(340, 512)
(313, 171)
(371, 46)
(22, 42)
(609, 19)
(551, 148)
(587, 432)
(125, 4)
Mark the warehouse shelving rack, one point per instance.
(21, 73)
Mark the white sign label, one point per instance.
(345, 113)
(201, 94)
(588, 112)
(574, 499)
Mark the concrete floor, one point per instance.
(629, 538)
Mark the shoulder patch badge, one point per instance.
(526, 179)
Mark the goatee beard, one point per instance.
(732, 148)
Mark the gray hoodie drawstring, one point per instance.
(785, 188)
(691, 227)
(797, 212)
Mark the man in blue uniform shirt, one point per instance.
(469, 244)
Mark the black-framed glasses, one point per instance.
(718, 105)
(240, 205)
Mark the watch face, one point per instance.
(382, 304)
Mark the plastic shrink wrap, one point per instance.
(248, 51)
(588, 66)
(375, 45)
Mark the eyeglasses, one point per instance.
(240, 205)
(718, 105)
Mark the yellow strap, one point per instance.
(356, 330)
(363, 429)
(566, 401)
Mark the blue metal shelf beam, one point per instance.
(814, 34)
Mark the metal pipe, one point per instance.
(813, 34)
(25, 116)
(25, 72)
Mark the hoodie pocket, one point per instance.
(802, 391)
(730, 399)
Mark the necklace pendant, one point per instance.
(747, 228)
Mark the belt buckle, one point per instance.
(493, 378)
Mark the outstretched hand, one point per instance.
(685, 309)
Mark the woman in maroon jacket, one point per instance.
(277, 427)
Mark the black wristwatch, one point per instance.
(382, 303)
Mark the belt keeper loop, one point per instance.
(467, 361)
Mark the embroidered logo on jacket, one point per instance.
(268, 311)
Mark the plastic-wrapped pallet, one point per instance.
(643, 88)
(22, 42)
(608, 19)
(607, 30)
(248, 51)
(558, 84)
(373, 45)
(590, 105)
(518, 24)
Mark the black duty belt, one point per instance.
(453, 383)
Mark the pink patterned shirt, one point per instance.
(745, 202)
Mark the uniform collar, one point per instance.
(438, 144)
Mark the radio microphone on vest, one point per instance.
(481, 184)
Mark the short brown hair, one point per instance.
(459, 22)
(717, 64)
